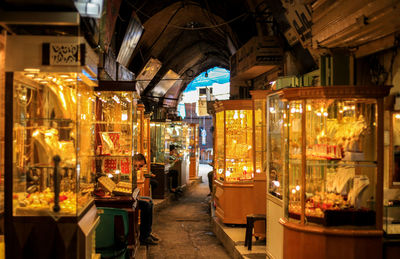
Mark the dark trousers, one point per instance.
(146, 216)
(173, 176)
(210, 177)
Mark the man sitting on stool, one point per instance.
(146, 209)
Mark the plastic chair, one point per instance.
(112, 233)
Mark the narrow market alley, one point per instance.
(184, 226)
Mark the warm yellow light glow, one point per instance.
(293, 191)
(124, 117)
(276, 183)
(235, 116)
(308, 107)
(116, 99)
(32, 70)
(397, 116)
(297, 187)
(271, 109)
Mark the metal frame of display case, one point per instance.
(47, 232)
(259, 99)
(126, 202)
(234, 200)
(194, 151)
(2, 137)
(304, 239)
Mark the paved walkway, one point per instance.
(184, 226)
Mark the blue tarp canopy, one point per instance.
(215, 75)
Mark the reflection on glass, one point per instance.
(276, 137)
(157, 135)
(340, 157)
(113, 127)
(52, 117)
(260, 143)
(234, 140)
(220, 145)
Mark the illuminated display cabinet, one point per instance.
(332, 168)
(259, 98)
(234, 160)
(50, 156)
(193, 132)
(177, 134)
(391, 216)
(115, 144)
(158, 157)
(144, 148)
(275, 143)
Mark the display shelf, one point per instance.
(332, 177)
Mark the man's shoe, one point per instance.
(148, 241)
(154, 237)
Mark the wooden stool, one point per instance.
(250, 219)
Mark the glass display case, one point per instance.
(158, 158)
(276, 136)
(143, 137)
(193, 135)
(50, 164)
(234, 141)
(334, 162)
(259, 98)
(53, 150)
(391, 218)
(275, 173)
(158, 143)
(114, 131)
(394, 159)
(233, 149)
(177, 134)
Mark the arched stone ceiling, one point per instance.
(190, 37)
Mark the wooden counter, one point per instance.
(234, 201)
(312, 241)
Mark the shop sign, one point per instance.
(63, 54)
